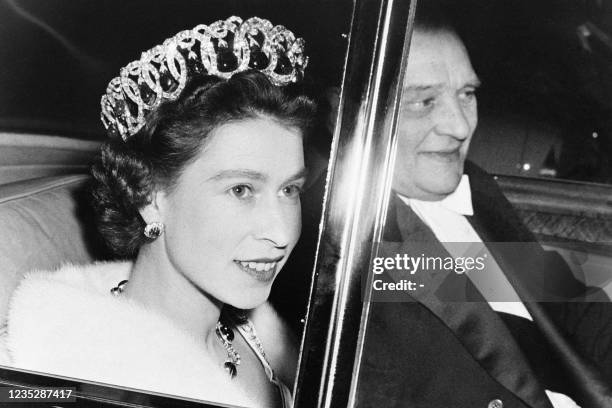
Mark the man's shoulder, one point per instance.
(480, 180)
(487, 196)
(472, 169)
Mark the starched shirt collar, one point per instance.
(459, 201)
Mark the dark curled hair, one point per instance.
(127, 173)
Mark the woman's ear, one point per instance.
(153, 211)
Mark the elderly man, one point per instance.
(499, 351)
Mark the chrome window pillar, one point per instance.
(358, 186)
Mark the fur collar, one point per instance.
(67, 323)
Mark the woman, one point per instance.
(200, 184)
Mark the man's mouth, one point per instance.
(443, 155)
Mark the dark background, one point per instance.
(538, 71)
(57, 56)
(538, 74)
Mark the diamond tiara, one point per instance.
(223, 48)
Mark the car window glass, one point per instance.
(544, 115)
(520, 91)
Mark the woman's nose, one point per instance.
(277, 223)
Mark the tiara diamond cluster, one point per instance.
(223, 48)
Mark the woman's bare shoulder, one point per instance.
(279, 342)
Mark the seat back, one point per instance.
(44, 222)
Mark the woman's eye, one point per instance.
(241, 191)
(292, 190)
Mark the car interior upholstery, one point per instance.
(46, 223)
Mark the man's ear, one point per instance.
(153, 212)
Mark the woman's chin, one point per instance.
(251, 300)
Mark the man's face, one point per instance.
(438, 116)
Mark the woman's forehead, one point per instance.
(252, 146)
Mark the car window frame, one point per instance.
(356, 197)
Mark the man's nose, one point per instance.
(276, 224)
(453, 120)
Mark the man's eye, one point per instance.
(292, 190)
(421, 105)
(241, 191)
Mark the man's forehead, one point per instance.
(438, 59)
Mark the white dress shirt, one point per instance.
(446, 218)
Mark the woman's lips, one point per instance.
(264, 270)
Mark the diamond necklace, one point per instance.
(224, 333)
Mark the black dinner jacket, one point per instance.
(428, 353)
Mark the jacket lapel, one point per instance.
(470, 321)
(536, 274)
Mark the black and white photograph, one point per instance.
(306, 203)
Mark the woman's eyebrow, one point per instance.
(303, 173)
(238, 173)
(253, 175)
